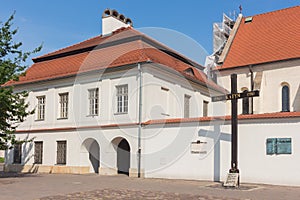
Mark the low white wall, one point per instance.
(173, 157)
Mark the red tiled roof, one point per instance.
(118, 34)
(270, 37)
(62, 63)
(240, 117)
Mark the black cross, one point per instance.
(234, 96)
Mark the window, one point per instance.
(164, 101)
(94, 101)
(38, 152)
(205, 108)
(122, 99)
(63, 101)
(187, 106)
(17, 153)
(41, 108)
(245, 104)
(285, 98)
(61, 152)
(279, 146)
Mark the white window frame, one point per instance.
(93, 101)
(63, 105)
(122, 99)
(41, 107)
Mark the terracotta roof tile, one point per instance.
(270, 37)
(123, 53)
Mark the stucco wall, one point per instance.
(273, 76)
(254, 164)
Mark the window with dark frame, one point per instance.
(205, 108)
(64, 101)
(122, 98)
(94, 101)
(38, 152)
(245, 102)
(17, 153)
(41, 107)
(187, 106)
(285, 98)
(61, 157)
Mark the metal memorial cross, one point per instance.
(234, 96)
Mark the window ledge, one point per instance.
(39, 120)
(121, 113)
(62, 118)
(96, 115)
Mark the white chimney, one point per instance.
(112, 20)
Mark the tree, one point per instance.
(13, 107)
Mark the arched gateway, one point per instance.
(91, 152)
(123, 155)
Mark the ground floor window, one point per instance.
(17, 153)
(38, 152)
(61, 152)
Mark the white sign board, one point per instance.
(198, 148)
(231, 180)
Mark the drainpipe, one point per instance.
(140, 120)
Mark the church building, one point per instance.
(123, 102)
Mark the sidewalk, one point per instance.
(62, 186)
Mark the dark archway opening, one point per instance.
(123, 157)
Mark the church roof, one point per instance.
(123, 47)
(265, 38)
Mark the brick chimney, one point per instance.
(112, 20)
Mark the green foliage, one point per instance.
(2, 160)
(13, 107)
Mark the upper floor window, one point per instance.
(285, 98)
(205, 108)
(245, 104)
(187, 106)
(41, 108)
(122, 99)
(94, 101)
(64, 101)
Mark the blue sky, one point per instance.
(59, 23)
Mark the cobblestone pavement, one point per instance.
(131, 195)
(92, 186)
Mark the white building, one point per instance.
(95, 96)
(90, 106)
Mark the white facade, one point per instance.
(269, 80)
(163, 94)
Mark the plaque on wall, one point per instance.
(198, 147)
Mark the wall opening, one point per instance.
(123, 157)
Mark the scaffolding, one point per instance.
(221, 32)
